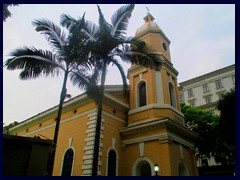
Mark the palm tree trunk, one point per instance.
(98, 125)
(58, 118)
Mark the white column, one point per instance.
(159, 89)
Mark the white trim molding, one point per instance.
(117, 157)
(74, 154)
(159, 88)
(184, 165)
(137, 92)
(89, 146)
(139, 160)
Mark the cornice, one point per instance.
(182, 135)
(142, 127)
(87, 113)
(158, 124)
(229, 69)
(166, 137)
(158, 31)
(165, 64)
(144, 69)
(68, 105)
(110, 99)
(154, 106)
(169, 66)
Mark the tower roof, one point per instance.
(150, 26)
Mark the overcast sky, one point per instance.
(202, 40)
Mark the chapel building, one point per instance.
(136, 132)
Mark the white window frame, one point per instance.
(190, 92)
(208, 100)
(218, 84)
(205, 88)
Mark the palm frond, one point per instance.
(91, 29)
(87, 81)
(139, 56)
(34, 63)
(79, 79)
(123, 76)
(67, 21)
(53, 32)
(105, 27)
(95, 77)
(120, 20)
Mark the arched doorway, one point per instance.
(182, 170)
(143, 169)
(112, 159)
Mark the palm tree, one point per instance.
(109, 42)
(6, 12)
(67, 57)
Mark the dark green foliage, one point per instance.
(224, 151)
(201, 122)
(6, 128)
(216, 134)
(6, 12)
(227, 118)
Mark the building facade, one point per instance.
(136, 132)
(205, 91)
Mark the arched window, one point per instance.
(142, 94)
(67, 163)
(172, 95)
(112, 158)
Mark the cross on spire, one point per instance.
(148, 17)
(147, 9)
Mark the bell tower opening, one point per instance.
(142, 94)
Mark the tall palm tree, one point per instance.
(109, 41)
(67, 57)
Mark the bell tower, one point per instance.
(155, 130)
(154, 92)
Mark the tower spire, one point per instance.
(148, 17)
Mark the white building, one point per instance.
(204, 91)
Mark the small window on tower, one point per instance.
(165, 46)
(142, 94)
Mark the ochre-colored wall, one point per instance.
(112, 125)
(75, 129)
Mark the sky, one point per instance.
(202, 40)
